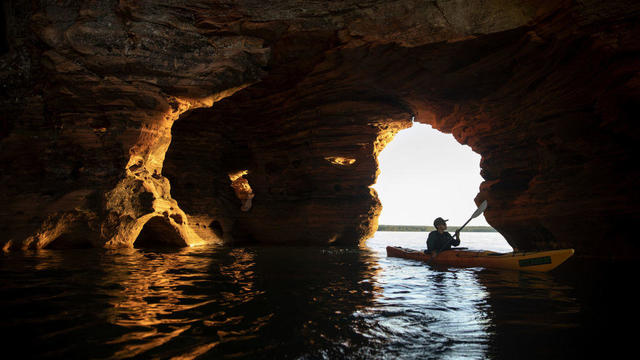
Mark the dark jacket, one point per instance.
(440, 242)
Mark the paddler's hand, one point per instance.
(456, 238)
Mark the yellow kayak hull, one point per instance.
(526, 261)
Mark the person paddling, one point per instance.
(439, 239)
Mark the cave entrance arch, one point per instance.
(425, 174)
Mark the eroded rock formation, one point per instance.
(201, 121)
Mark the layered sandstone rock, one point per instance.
(131, 123)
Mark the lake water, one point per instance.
(308, 303)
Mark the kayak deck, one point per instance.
(528, 261)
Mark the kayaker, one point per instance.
(440, 239)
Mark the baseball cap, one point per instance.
(439, 221)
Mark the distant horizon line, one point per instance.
(475, 228)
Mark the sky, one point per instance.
(425, 174)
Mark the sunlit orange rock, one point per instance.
(132, 120)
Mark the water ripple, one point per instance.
(285, 302)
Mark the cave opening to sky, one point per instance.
(425, 174)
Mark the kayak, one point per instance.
(528, 261)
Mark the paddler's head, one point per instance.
(440, 224)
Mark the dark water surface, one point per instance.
(307, 303)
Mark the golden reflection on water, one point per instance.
(220, 300)
(277, 302)
(154, 303)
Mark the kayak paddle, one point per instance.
(476, 213)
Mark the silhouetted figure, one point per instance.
(439, 239)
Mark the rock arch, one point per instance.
(151, 113)
(159, 232)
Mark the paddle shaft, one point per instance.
(465, 224)
(479, 210)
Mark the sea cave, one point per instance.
(261, 122)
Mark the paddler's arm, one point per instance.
(456, 238)
(431, 245)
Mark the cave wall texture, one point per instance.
(178, 122)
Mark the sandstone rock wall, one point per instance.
(201, 121)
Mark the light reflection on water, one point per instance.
(278, 302)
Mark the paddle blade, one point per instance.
(480, 209)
